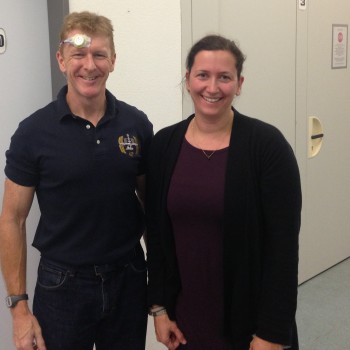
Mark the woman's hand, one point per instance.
(167, 332)
(261, 344)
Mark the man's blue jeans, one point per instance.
(103, 305)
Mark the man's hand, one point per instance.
(261, 344)
(27, 332)
(167, 332)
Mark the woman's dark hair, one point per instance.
(214, 43)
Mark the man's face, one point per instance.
(86, 68)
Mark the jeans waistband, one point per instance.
(94, 270)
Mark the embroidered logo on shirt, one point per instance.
(129, 145)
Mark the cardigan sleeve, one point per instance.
(163, 278)
(280, 194)
(155, 254)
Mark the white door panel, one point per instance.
(327, 186)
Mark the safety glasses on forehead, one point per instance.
(78, 41)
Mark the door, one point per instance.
(325, 239)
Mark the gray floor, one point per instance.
(323, 314)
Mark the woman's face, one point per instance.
(213, 83)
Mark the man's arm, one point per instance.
(17, 202)
(13, 248)
(141, 195)
(141, 188)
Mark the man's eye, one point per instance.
(100, 56)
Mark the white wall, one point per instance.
(148, 45)
(25, 85)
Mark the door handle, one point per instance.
(2, 41)
(315, 136)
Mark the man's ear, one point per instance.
(60, 61)
(113, 61)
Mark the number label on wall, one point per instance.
(302, 4)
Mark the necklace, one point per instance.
(208, 155)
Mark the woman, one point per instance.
(223, 218)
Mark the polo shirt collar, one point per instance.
(63, 109)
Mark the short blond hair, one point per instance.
(90, 24)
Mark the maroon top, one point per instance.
(195, 205)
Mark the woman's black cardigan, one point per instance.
(261, 223)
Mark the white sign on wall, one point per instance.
(339, 46)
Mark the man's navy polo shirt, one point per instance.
(84, 177)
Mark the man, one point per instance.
(83, 155)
